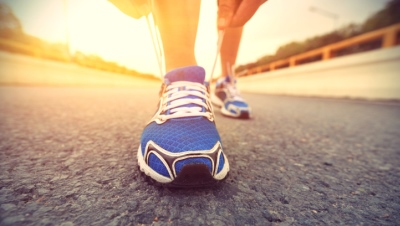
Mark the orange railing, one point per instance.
(388, 36)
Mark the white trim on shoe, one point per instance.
(149, 171)
(163, 179)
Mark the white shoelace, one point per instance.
(173, 95)
(179, 95)
(233, 91)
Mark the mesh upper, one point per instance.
(185, 134)
(156, 164)
(237, 104)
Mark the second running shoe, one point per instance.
(180, 146)
(228, 98)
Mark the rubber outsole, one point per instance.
(191, 176)
(242, 115)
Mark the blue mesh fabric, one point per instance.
(183, 134)
(221, 162)
(179, 164)
(191, 74)
(236, 103)
(156, 164)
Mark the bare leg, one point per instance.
(226, 94)
(229, 48)
(177, 22)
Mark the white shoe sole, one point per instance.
(146, 169)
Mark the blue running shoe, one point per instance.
(227, 97)
(180, 146)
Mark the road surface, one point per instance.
(68, 158)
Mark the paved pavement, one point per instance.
(68, 158)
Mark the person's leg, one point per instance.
(180, 146)
(177, 22)
(229, 48)
(226, 94)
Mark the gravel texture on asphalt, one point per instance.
(68, 157)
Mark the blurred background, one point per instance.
(74, 35)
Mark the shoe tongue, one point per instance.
(189, 74)
(228, 78)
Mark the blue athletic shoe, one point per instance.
(227, 97)
(180, 146)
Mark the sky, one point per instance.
(97, 27)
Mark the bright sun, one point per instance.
(99, 27)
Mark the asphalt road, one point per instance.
(68, 158)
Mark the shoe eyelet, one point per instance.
(162, 119)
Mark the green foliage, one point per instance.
(385, 17)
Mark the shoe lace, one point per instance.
(185, 99)
(233, 91)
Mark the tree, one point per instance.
(385, 17)
(9, 23)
